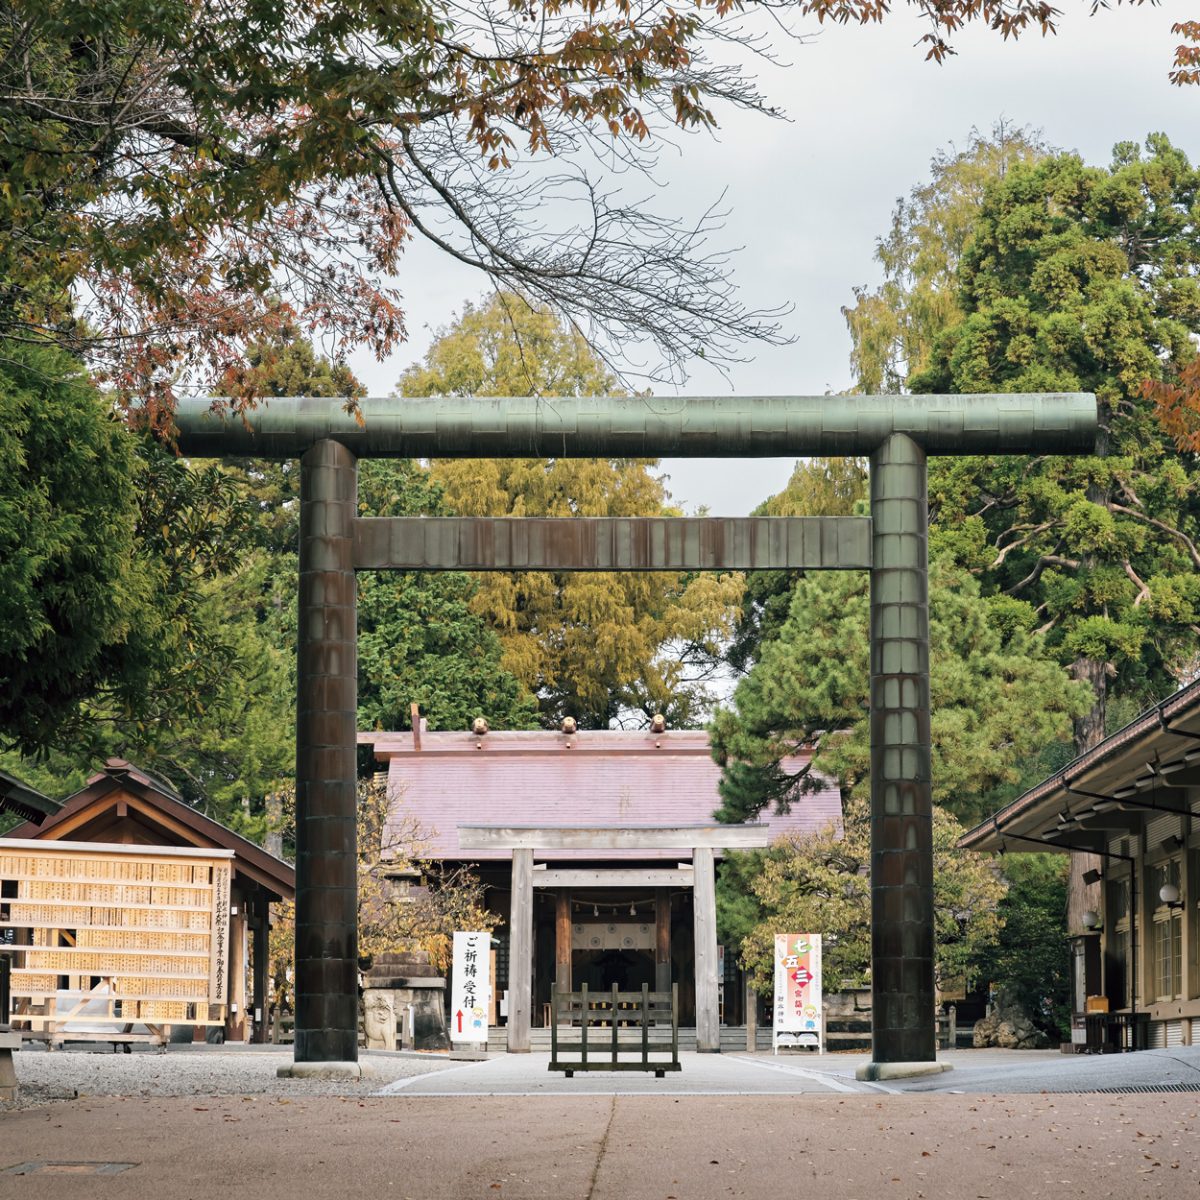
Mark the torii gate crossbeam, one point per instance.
(896, 432)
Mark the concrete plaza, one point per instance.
(729, 1125)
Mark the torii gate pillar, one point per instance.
(902, 917)
(326, 749)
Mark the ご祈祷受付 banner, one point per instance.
(471, 987)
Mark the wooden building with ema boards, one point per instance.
(1133, 802)
(608, 906)
(128, 891)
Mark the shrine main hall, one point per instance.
(598, 850)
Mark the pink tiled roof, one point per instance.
(609, 777)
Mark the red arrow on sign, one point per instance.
(459, 1015)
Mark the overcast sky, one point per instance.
(808, 197)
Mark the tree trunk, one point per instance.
(1089, 732)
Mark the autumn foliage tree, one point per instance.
(591, 645)
(191, 177)
(392, 911)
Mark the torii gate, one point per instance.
(896, 432)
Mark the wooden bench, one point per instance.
(616, 1012)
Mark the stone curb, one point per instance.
(326, 1070)
(871, 1072)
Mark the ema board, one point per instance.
(114, 939)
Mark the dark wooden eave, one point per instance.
(26, 802)
(154, 804)
(1139, 771)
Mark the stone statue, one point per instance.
(379, 1019)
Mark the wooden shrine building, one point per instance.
(597, 849)
(1132, 801)
(123, 806)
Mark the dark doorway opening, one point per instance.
(600, 969)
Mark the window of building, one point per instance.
(1167, 932)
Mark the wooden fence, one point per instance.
(627, 1019)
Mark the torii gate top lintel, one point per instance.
(641, 426)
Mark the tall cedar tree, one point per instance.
(193, 567)
(595, 646)
(72, 602)
(1083, 279)
(997, 698)
(893, 327)
(1077, 279)
(111, 547)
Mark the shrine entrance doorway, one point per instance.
(525, 842)
(601, 970)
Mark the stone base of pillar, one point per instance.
(10, 1040)
(8, 1075)
(326, 1070)
(870, 1072)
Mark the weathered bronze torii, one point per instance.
(897, 432)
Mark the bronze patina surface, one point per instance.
(326, 789)
(639, 426)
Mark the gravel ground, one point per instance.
(46, 1078)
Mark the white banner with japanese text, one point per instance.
(471, 987)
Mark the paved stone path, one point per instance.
(1011, 1072)
(701, 1075)
(553, 1147)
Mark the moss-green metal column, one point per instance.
(326, 858)
(901, 792)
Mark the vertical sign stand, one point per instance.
(470, 990)
(798, 992)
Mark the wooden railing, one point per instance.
(615, 1013)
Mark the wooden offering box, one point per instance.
(115, 942)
